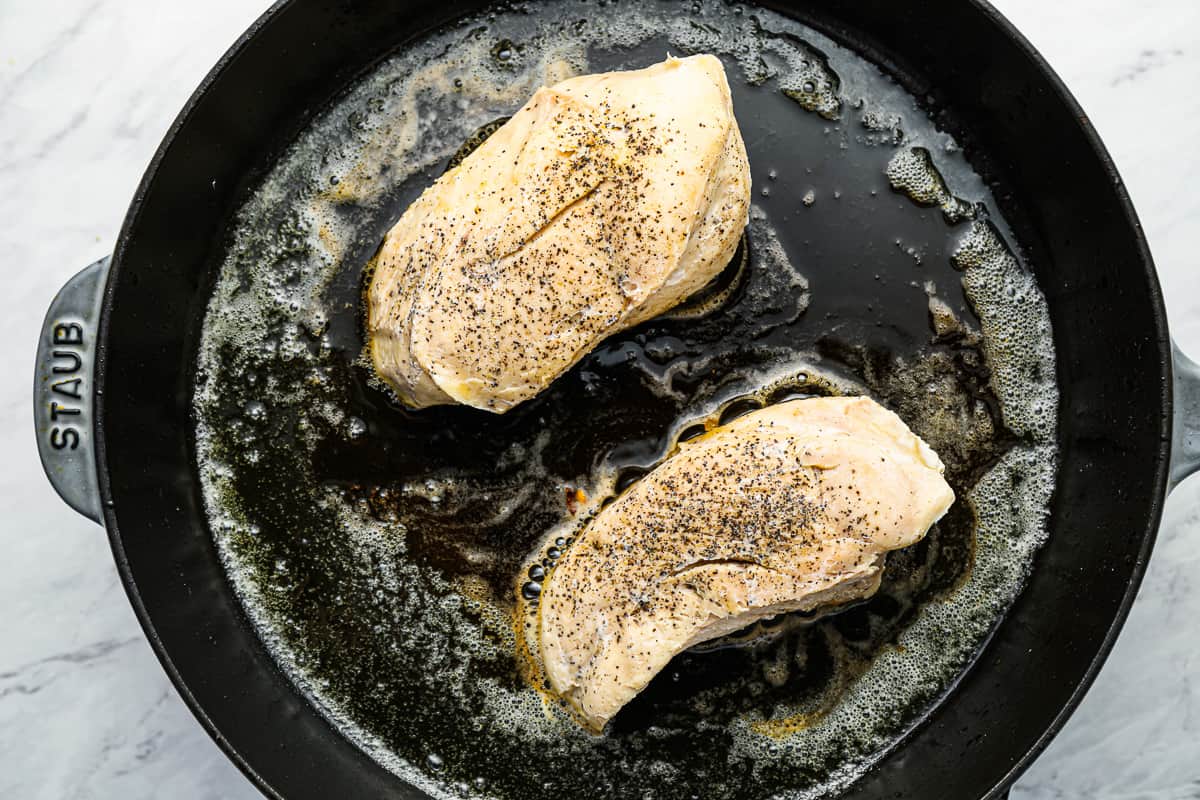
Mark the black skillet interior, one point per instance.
(1021, 131)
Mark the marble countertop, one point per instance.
(87, 90)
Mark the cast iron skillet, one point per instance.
(115, 443)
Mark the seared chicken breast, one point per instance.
(606, 200)
(788, 508)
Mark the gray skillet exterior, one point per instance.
(117, 444)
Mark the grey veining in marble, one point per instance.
(87, 89)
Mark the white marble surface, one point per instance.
(87, 89)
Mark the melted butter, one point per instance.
(377, 549)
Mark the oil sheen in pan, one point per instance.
(378, 550)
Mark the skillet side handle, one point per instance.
(1185, 442)
(64, 391)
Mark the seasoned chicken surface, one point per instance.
(788, 508)
(606, 200)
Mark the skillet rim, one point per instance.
(1061, 94)
(1163, 342)
(101, 369)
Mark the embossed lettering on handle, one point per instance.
(63, 391)
(1185, 444)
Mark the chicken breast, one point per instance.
(604, 201)
(788, 508)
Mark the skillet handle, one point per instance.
(1185, 444)
(64, 392)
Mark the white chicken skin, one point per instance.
(789, 508)
(606, 200)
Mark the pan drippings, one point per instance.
(380, 551)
